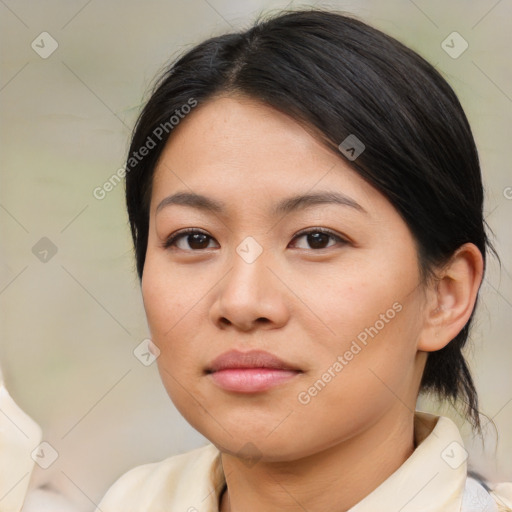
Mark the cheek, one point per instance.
(169, 295)
(377, 375)
(168, 306)
(374, 319)
(359, 301)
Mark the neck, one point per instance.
(333, 480)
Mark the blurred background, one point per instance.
(73, 77)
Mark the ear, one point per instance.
(451, 299)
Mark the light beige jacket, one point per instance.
(433, 479)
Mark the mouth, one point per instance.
(250, 372)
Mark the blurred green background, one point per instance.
(69, 325)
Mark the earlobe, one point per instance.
(452, 299)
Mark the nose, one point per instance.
(250, 297)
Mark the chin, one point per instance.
(257, 441)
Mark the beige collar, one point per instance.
(432, 479)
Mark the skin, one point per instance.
(305, 305)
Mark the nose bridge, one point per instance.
(249, 262)
(249, 291)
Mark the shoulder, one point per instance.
(173, 481)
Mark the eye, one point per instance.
(317, 238)
(190, 240)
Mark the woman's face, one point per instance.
(295, 256)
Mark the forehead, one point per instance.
(241, 149)
(241, 132)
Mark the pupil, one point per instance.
(198, 241)
(317, 240)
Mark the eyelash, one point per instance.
(172, 239)
(169, 242)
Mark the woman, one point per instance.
(305, 201)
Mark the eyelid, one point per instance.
(327, 231)
(173, 237)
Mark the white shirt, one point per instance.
(433, 479)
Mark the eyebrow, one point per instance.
(313, 199)
(193, 200)
(285, 206)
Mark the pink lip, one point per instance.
(250, 372)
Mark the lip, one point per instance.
(250, 372)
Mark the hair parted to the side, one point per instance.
(338, 76)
